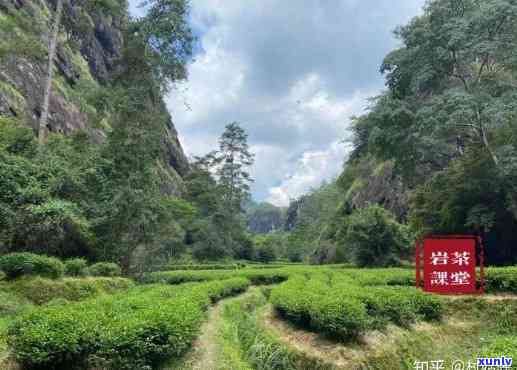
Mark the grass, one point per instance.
(246, 344)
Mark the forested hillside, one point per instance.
(91, 164)
(438, 149)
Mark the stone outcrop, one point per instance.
(97, 47)
(380, 186)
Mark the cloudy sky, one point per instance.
(292, 72)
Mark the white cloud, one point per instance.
(291, 75)
(310, 171)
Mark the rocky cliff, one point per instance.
(377, 183)
(89, 47)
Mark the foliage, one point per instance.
(447, 203)
(104, 269)
(231, 162)
(134, 330)
(15, 265)
(207, 242)
(166, 38)
(247, 344)
(311, 222)
(219, 185)
(256, 276)
(208, 266)
(335, 304)
(266, 253)
(135, 212)
(446, 123)
(75, 266)
(45, 193)
(264, 217)
(42, 290)
(502, 279)
(266, 247)
(11, 304)
(20, 33)
(374, 238)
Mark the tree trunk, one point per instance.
(512, 200)
(42, 131)
(125, 263)
(488, 148)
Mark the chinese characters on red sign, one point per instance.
(450, 265)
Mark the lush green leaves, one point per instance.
(374, 238)
(335, 304)
(75, 266)
(133, 330)
(15, 265)
(104, 269)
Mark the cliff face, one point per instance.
(377, 183)
(87, 54)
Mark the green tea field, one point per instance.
(281, 317)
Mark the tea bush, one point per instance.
(18, 264)
(335, 304)
(501, 279)
(232, 266)
(40, 290)
(381, 276)
(179, 277)
(75, 267)
(505, 345)
(109, 269)
(133, 330)
(11, 304)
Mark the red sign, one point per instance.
(449, 265)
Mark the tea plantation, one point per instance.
(86, 321)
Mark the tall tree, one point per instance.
(167, 39)
(232, 162)
(134, 204)
(453, 88)
(42, 130)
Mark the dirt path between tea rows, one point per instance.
(204, 352)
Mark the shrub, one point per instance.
(18, 264)
(104, 269)
(257, 276)
(339, 316)
(501, 279)
(375, 238)
(41, 290)
(266, 253)
(504, 345)
(336, 304)
(12, 304)
(217, 266)
(334, 314)
(134, 330)
(75, 267)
